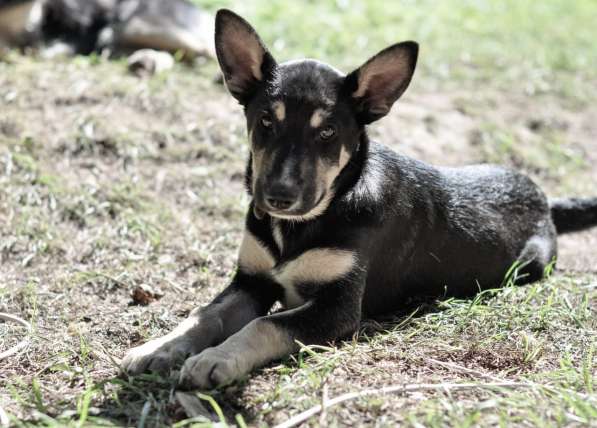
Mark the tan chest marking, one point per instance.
(320, 265)
(254, 257)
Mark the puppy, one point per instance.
(339, 227)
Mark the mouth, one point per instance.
(289, 214)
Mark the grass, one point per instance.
(497, 335)
(109, 183)
(524, 43)
(541, 335)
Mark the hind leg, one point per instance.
(539, 251)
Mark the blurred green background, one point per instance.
(537, 45)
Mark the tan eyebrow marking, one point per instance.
(317, 117)
(279, 110)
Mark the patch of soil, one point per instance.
(492, 359)
(577, 251)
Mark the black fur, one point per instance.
(573, 214)
(76, 23)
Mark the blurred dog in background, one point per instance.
(110, 27)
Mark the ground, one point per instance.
(110, 183)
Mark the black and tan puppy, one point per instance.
(339, 227)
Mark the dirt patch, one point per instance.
(497, 359)
(577, 252)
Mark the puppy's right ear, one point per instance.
(244, 60)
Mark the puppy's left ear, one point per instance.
(378, 83)
(243, 58)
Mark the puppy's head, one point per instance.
(304, 118)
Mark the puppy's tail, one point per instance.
(573, 214)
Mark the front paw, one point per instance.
(158, 355)
(212, 368)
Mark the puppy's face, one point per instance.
(305, 119)
(302, 133)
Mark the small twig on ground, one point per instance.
(324, 400)
(557, 390)
(460, 368)
(303, 416)
(23, 343)
(111, 278)
(144, 414)
(175, 285)
(100, 351)
(193, 406)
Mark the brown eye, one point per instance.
(327, 133)
(266, 121)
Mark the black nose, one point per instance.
(281, 196)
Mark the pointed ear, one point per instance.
(244, 60)
(378, 83)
